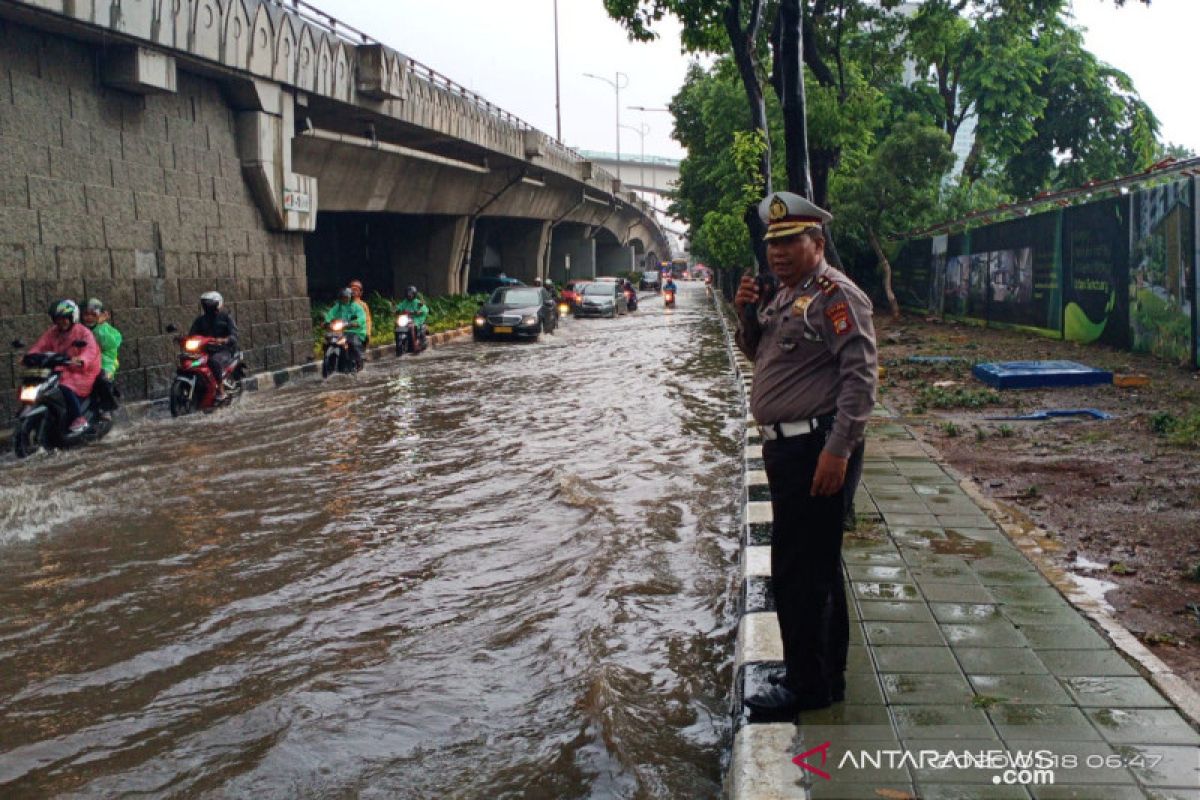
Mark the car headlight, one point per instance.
(529, 320)
(479, 320)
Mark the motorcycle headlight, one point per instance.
(563, 308)
(529, 320)
(192, 344)
(403, 320)
(29, 393)
(479, 320)
(337, 325)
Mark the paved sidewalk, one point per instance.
(959, 646)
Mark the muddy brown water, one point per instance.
(493, 570)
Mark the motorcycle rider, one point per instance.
(351, 313)
(79, 376)
(218, 325)
(669, 286)
(356, 288)
(413, 305)
(96, 317)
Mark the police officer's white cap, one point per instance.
(787, 214)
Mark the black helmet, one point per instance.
(411, 293)
(210, 302)
(345, 295)
(64, 308)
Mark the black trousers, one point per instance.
(105, 393)
(806, 566)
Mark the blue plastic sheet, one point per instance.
(1094, 413)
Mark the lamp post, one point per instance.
(641, 131)
(557, 99)
(622, 80)
(655, 174)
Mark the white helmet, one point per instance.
(211, 300)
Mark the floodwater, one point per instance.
(493, 570)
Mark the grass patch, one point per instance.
(1183, 431)
(986, 701)
(957, 397)
(950, 429)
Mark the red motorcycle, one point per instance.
(668, 298)
(195, 385)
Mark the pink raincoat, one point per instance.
(77, 379)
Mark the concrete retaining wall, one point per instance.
(138, 200)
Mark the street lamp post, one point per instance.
(557, 100)
(622, 80)
(641, 131)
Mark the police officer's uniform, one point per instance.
(815, 374)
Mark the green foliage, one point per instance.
(950, 429)
(957, 397)
(1181, 431)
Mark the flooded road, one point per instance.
(494, 570)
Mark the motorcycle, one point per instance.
(195, 385)
(338, 356)
(668, 298)
(42, 420)
(407, 340)
(631, 299)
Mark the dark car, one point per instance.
(602, 299)
(651, 279)
(520, 312)
(490, 283)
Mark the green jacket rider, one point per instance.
(351, 313)
(96, 317)
(414, 305)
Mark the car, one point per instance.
(519, 312)
(651, 279)
(486, 284)
(602, 299)
(573, 292)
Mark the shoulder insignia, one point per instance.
(839, 316)
(828, 287)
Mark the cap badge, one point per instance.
(777, 210)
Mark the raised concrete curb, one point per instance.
(268, 380)
(961, 641)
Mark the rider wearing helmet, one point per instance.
(356, 289)
(216, 324)
(413, 304)
(96, 318)
(351, 313)
(79, 376)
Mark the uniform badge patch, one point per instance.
(801, 304)
(839, 316)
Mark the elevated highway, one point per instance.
(151, 149)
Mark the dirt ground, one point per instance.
(1120, 498)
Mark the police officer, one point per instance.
(812, 342)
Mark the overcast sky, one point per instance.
(504, 50)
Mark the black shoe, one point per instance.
(837, 685)
(780, 701)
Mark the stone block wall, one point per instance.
(139, 201)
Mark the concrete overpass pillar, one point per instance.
(572, 254)
(614, 259)
(521, 246)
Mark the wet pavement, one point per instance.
(494, 570)
(969, 675)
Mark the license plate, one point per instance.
(502, 329)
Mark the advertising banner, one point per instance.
(1162, 272)
(1023, 287)
(958, 276)
(910, 275)
(937, 273)
(1095, 247)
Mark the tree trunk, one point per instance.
(887, 274)
(788, 79)
(746, 59)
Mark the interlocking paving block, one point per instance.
(915, 723)
(1026, 595)
(1056, 614)
(871, 590)
(949, 791)
(1063, 637)
(986, 634)
(1030, 374)
(1143, 726)
(1115, 692)
(1163, 765)
(902, 658)
(999, 661)
(894, 611)
(967, 773)
(906, 689)
(1029, 689)
(878, 572)
(1098, 793)
(1016, 722)
(845, 722)
(863, 689)
(904, 633)
(1083, 663)
(971, 613)
(955, 593)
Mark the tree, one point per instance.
(895, 189)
